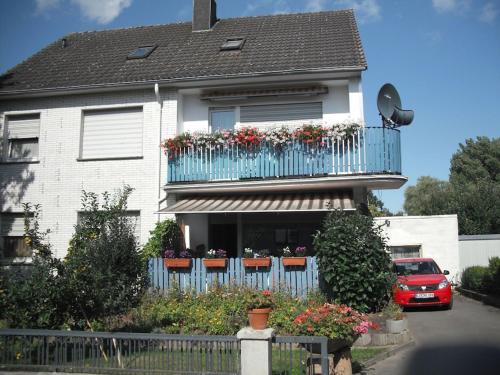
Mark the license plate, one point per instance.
(424, 295)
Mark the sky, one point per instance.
(442, 55)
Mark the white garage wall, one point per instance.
(477, 250)
(437, 236)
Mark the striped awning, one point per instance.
(262, 203)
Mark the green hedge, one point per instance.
(473, 278)
(483, 279)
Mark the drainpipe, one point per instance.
(158, 99)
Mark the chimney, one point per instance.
(204, 14)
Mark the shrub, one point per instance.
(35, 297)
(165, 235)
(492, 277)
(105, 271)
(473, 278)
(353, 261)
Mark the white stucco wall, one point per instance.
(57, 180)
(343, 101)
(436, 235)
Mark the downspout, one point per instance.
(160, 154)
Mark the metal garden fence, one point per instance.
(299, 355)
(130, 353)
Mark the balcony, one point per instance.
(369, 151)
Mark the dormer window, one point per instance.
(141, 52)
(233, 44)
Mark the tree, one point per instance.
(376, 206)
(473, 192)
(165, 235)
(475, 181)
(429, 196)
(35, 298)
(105, 271)
(353, 260)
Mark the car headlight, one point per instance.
(403, 286)
(443, 284)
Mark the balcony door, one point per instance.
(222, 119)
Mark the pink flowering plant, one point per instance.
(300, 251)
(333, 321)
(251, 138)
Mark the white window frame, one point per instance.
(7, 141)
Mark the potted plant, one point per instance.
(341, 324)
(173, 261)
(256, 259)
(215, 258)
(295, 258)
(259, 304)
(395, 319)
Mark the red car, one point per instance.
(421, 283)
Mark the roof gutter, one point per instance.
(147, 84)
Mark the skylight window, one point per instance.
(232, 44)
(141, 52)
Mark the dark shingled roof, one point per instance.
(279, 43)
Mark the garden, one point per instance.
(102, 284)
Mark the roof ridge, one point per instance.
(348, 10)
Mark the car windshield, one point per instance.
(424, 267)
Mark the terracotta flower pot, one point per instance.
(294, 261)
(215, 262)
(177, 262)
(257, 318)
(256, 262)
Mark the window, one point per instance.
(221, 118)
(398, 252)
(134, 216)
(141, 52)
(22, 132)
(112, 133)
(281, 112)
(232, 44)
(12, 241)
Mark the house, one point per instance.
(433, 236)
(89, 111)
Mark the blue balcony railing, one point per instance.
(368, 151)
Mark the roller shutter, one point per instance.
(112, 133)
(281, 112)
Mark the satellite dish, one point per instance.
(389, 106)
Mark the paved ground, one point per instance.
(465, 340)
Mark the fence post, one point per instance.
(255, 350)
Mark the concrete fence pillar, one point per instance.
(255, 350)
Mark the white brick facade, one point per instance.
(57, 180)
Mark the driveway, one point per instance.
(465, 340)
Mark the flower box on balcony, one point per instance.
(177, 262)
(294, 261)
(215, 262)
(256, 262)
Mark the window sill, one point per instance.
(20, 161)
(18, 261)
(104, 159)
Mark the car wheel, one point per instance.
(449, 306)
